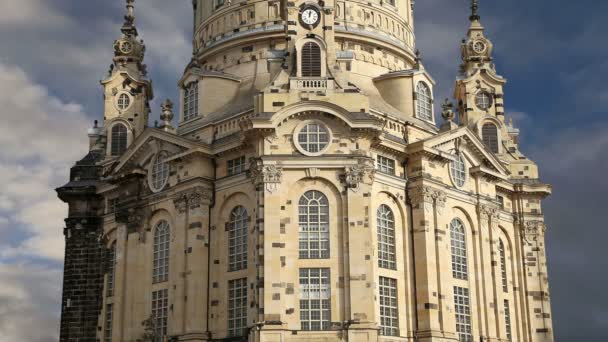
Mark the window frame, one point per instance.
(121, 98)
(111, 279)
(424, 102)
(160, 304)
(191, 101)
(386, 165)
(387, 251)
(315, 298)
(159, 167)
(503, 266)
(162, 250)
(482, 105)
(108, 322)
(458, 250)
(462, 311)
(388, 301)
(459, 171)
(311, 59)
(316, 232)
(490, 137)
(236, 166)
(237, 307)
(320, 148)
(120, 139)
(238, 235)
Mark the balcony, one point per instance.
(311, 83)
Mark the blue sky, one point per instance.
(54, 52)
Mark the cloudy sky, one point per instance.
(54, 52)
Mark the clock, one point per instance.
(479, 47)
(310, 16)
(126, 47)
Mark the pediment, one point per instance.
(149, 143)
(463, 139)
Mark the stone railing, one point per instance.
(311, 83)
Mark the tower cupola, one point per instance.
(127, 91)
(476, 48)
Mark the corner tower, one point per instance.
(127, 90)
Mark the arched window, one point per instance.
(503, 266)
(424, 103)
(111, 270)
(459, 250)
(191, 101)
(314, 226)
(311, 60)
(162, 235)
(386, 238)
(119, 139)
(489, 132)
(237, 239)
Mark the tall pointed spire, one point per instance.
(474, 10)
(129, 50)
(128, 28)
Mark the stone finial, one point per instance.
(418, 60)
(167, 115)
(474, 10)
(130, 16)
(448, 115)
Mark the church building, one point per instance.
(307, 185)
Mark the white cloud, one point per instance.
(41, 136)
(28, 294)
(30, 13)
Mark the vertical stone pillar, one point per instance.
(425, 259)
(488, 222)
(536, 280)
(192, 221)
(362, 278)
(267, 178)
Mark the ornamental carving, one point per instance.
(192, 199)
(357, 174)
(531, 230)
(268, 175)
(426, 196)
(487, 212)
(134, 220)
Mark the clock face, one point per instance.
(310, 16)
(126, 47)
(479, 47)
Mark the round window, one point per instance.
(159, 174)
(458, 170)
(313, 138)
(124, 101)
(483, 100)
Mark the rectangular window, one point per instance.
(508, 320)
(501, 201)
(160, 313)
(111, 270)
(107, 331)
(191, 101)
(463, 314)
(236, 166)
(237, 307)
(315, 299)
(385, 165)
(389, 313)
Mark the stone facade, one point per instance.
(307, 193)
